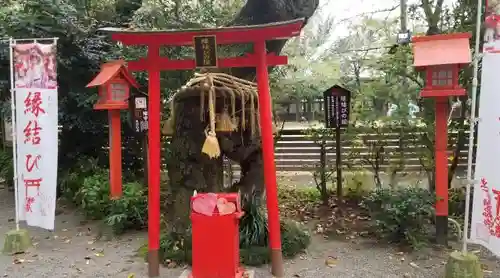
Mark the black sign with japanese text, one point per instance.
(139, 113)
(205, 48)
(337, 101)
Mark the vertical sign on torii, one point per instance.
(258, 35)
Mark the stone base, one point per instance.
(462, 265)
(16, 241)
(247, 274)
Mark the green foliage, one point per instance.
(295, 238)
(7, 166)
(71, 180)
(356, 188)
(93, 196)
(401, 215)
(254, 248)
(128, 212)
(253, 228)
(175, 248)
(456, 202)
(301, 198)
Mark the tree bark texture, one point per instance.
(188, 168)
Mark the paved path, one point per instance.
(71, 251)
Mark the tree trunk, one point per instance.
(461, 139)
(188, 168)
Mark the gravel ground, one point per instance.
(63, 254)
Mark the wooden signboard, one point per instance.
(337, 101)
(205, 48)
(139, 112)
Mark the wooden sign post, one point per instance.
(337, 101)
(138, 111)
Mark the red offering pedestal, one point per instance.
(215, 220)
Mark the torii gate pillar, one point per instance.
(260, 59)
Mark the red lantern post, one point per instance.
(258, 35)
(441, 57)
(114, 83)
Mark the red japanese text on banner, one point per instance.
(485, 223)
(36, 132)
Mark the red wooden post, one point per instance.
(441, 56)
(265, 110)
(441, 178)
(114, 83)
(154, 162)
(115, 154)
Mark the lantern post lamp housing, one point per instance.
(441, 57)
(114, 82)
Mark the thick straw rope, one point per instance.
(242, 88)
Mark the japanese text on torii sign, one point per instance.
(32, 136)
(205, 48)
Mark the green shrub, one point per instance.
(71, 180)
(93, 196)
(176, 248)
(355, 188)
(7, 166)
(254, 250)
(253, 227)
(456, 197)
(294, 238)
(401, 215)
(130, 211)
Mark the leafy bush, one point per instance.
(254, 248)
(295, 238)
(456, 197)
(130, 211)
(7, 166)
(401, 215)
(71, 180)
(175, 248)
(356, 187)
(253, 227)
(93, 196)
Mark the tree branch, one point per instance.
(268, 11)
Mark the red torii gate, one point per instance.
(154, 63)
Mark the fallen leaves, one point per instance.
(331, 261)
(170, 264)
(339, 219)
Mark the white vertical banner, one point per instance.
(36, 127)
(485, 224)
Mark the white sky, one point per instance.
(355, 9)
